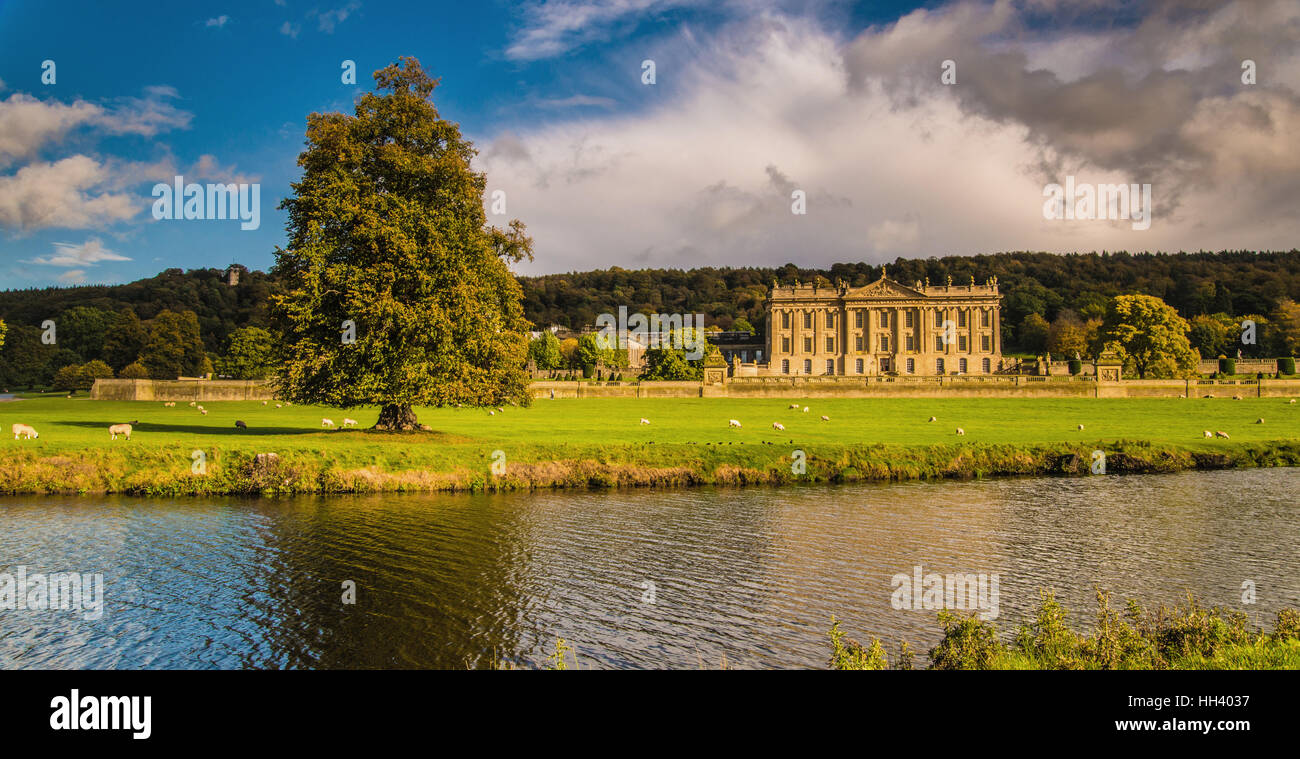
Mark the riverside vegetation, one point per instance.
(600, 443)
(1186, 636)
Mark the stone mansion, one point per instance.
(884, 328)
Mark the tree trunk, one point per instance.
(398, 417)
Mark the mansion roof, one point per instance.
(885, 290)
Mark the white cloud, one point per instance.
(73, 276)
(28, 123)
(329, 20)
(290, 30)
(556, 27)
(218, 22)
(774, 104)
(88, 253)
(71, 193)
(578, 100)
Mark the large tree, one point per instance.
(174, 347)
(396, 290)
(248, 354)
(1149, 336)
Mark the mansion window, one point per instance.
(857, 341)
(961, 365)
(938, 342)
(908, 318)
(961, 343)
(785, 319)
(830, 345)
(785, 366)
(858, 364)
(807, 320)
(785, 345)
(987, 365)
(884, 319)
(938, 318)
(807, 345)
(984, 318)
(830, 320)
(961, 318)
(884, 343)
(911, 366)
(911, 343)
(830, 366)
(938, 365)
(807, 366)
(857, 319)
(985, 342)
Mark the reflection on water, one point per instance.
(749, 576)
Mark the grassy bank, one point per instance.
(601, 443)
(1188, 636)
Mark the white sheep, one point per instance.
(120, 429)
(1236, 397)
(492, 413)
(203, 411)
(805, 409)
(192, 403)
(960, 431)
(644, 420)
(24, 430)
(501, 409)
(278, 405)
(1291, 401)
(349, 422)
(733, 423)
(1220, 433)
(1081, 427)
(794, 405)
(200, 408)
(934, 418)
(1209, 434)
(327, 423)
(1259, 420)
(825, 418)
(778, 426)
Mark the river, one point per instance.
(631, 579)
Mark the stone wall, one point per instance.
(180, 390)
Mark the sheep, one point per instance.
(778, 426)
(825, 418)
(934, 419)
(1209, 434)
(1259, 420)
(1221, 433)
(733, 423)
(1236, 397)
(960, 431)
(24, 430)
(501, 410)
(200, 408)
(120, 429)
(192, 404)
(278, 405)
(326, 423)
(239, 424)
(203, 411)
(644, 420)
(805, 409)
(349, 422)
(794, 405)
(1291, 401)
(1080, 427)
(263, 403)
(492, 413)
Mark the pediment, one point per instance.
(884, 288)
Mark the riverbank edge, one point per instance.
(153, 472)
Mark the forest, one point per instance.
(189, 321)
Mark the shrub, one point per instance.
(1286, 365)
(847, 653)
(968, 643)
(1227, 366)
(1076, 366)
(134, 370)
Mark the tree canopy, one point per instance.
(396, 291)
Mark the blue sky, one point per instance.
(839, 100)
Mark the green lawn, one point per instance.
(681, 433)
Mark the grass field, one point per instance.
(559, 443)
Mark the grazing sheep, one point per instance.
(1221, 433)
(120, 429)
(1208, 395)
(203, 411)
(960, 431)
(278, 405)
(644, 420)
(241, 425)
(934, 418)
(492, 413)
(192, 403)
(501, 409)
(1259, 420)
(778, 426)
(349, 422)
(733, 423)
(805, 409)
(263, 403)
(825, 418)
(200, 408)
(25, 431)
(794, 405)
(1209, 434)
(327, 423)
(1291, 401)
(1080, 426)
